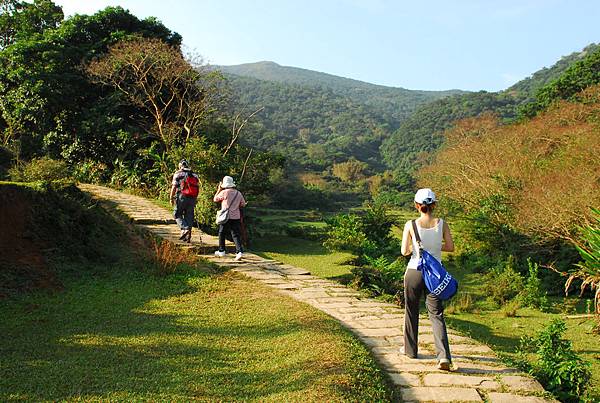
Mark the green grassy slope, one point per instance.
(116, 330)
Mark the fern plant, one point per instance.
(588, 271)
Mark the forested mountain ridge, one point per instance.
(397, 103)
(271, 71)
(528, 86)
(421, 133)
(316, 119)
(312, 126)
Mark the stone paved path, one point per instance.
(479, 376)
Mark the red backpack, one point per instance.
(190, 185)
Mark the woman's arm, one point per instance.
(448, 243)
(217, 197)
(406, 240)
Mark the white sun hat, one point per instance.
(227, 182)
(425, 196)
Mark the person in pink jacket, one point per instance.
(232, 199)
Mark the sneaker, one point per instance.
(184, 234)
(219, 253)
(238, 256)
(189, 236)
(444, 364)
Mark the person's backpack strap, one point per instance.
(416, 232)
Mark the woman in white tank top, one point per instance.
(435, 238)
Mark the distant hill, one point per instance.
(422, 132)
(530, 85)
(396, 102)
(316, 119)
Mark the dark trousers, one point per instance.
(414, 288)
(235, 229)
(184, 211)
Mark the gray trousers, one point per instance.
(184, 211)
(414, 288)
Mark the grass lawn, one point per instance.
(128, 335)
(303, 253)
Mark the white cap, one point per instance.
(227, 182)
(425, 196)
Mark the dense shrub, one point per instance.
(589, 269)
(380, 277)
(502, 283)
(347, 232)
(369, 237)
(40, 169)
(394, 198)
(558, 368)
(533, 294)
(529, 176)
(92, 172)
(368, 234)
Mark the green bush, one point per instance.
(589, 249)
(206, 209)
(391, 197)
(558, 368)
(91, 172)
(346, 232)
(380, 277)
(503, 283)
(369, 237)
(533, 294)
(40, 169)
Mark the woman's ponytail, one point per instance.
(424, 208)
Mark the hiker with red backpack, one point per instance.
(183, 196)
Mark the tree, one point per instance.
(20, 20)
(539, 177)
(156, 78)
(48, 104)
(350, 171)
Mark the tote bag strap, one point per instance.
(233, 200)
(416, 232)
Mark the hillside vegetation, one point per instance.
(407, 148)
(112, 98)
(388, 101)
(315, 119)
(47, 229)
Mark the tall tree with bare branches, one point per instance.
(175, 94)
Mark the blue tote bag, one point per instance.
(437, 279)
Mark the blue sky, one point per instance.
(429, 45)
